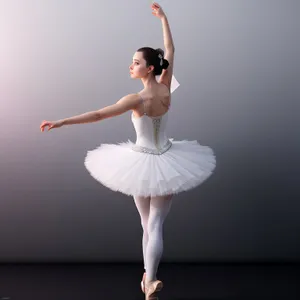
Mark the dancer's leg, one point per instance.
(159, 209)
(143, 207)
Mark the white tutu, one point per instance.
(184, 166)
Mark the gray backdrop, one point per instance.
(238, 66)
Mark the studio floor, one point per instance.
(122, 281)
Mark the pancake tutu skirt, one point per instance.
(184, 166)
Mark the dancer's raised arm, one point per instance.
(168, 40)
(166, 76)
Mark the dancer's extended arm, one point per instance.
(126, 103)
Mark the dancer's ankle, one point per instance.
(147, 281)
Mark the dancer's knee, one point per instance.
(155, 223)
(154, 228)
(144, 223)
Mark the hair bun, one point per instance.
(160, 51)
(165, 62)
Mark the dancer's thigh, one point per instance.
(160, 206)
(143, 206)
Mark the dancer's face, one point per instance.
(138, 67)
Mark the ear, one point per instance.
(150, 69)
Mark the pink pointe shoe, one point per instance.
(143, 282)
(152, 288)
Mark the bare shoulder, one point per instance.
(130, 101)
(165, 90)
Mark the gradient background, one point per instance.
(237, 63)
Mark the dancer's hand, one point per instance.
(51, 124)
(157, 10)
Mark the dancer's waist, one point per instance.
(153, 150)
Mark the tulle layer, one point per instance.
(184, 166)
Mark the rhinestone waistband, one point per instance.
(160, 151)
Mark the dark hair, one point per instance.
(151, 57)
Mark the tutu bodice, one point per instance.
(151, 136)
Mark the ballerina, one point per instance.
(155, 167)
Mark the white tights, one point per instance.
(153, 212)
